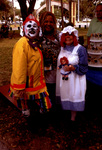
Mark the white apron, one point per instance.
(71, 91)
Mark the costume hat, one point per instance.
(31, 18)
(69, 29)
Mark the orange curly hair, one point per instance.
(64, 58)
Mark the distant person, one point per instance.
(96, 23)
(5, 30)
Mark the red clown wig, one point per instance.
(75, 41)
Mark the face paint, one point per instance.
(31, 29)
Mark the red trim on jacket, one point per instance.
(18, 86)
(29, 89)
(36, 88)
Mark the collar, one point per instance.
(69, 48)
(34, 44)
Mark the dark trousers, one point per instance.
(51, 87)
(93, 97)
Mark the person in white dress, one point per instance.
(72, 91)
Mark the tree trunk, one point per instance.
(31, 6)
(24, 10)
(62, 14)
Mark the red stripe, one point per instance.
(31, 89)
(36, 88)
(18, 86)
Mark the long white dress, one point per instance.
(71, 91)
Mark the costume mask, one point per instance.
(31, 29)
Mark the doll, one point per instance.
(64, 61)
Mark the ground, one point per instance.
(49, 134)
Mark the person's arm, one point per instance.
(82, 66)
(90, 30)
(19, 66)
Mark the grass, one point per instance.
(6, 47)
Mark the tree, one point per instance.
(84, 9)
(5, 5)
(25, 10)
(57, 10)
(87, 8)
(5, 8)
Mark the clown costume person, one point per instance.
(72, 91)
(28, 86)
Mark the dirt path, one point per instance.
(51, 132)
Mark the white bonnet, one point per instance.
(69, 29)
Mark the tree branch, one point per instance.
(31, 6)
(23, 7)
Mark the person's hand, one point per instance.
(19, 94)
(72, 68)
(69, 68)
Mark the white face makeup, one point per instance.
(31, 29)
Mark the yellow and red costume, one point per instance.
(28, 75)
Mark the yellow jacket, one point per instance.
(27, 69)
